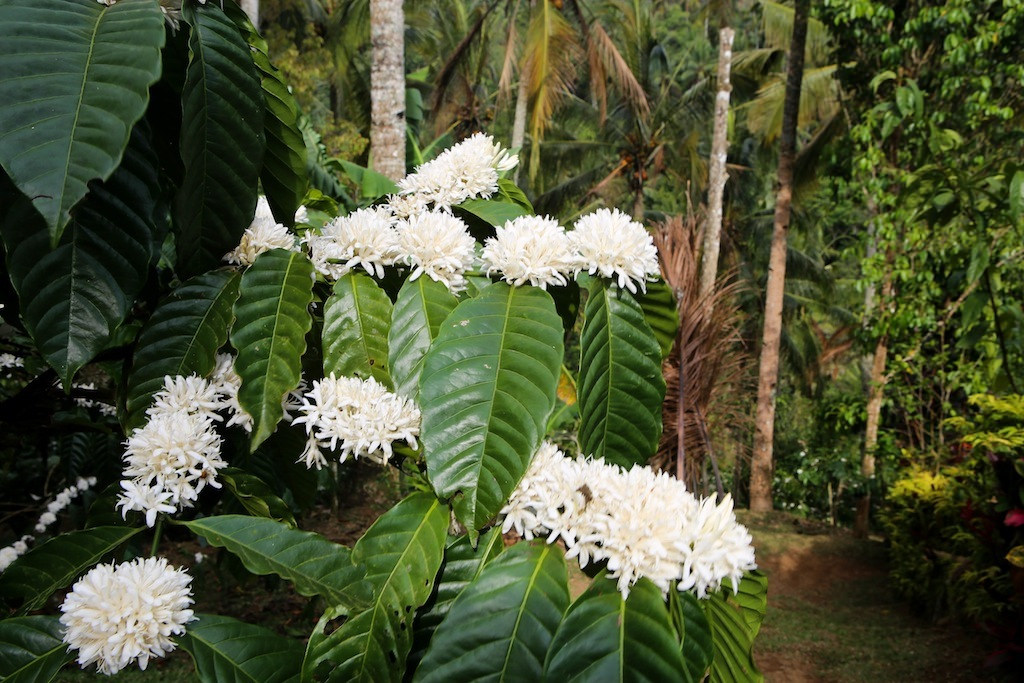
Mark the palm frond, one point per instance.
(777, 26)
(819, 100)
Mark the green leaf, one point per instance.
(487, 389)
(660, 312)
(606, 638)
(255, 495)
(32, 649)
(34, 576)
(694, 633)
(732, 641)
(228, 650)
(314, 565)
(421, 307)
(501, 625)
(620, 383)
(271, 321)
(371, 184)
(1017, 196)
(492, 212)
(283, 175)
(74, 296)
(752, 598)
(181, 337)
(511, 192)
(222, 140)
(402, 552)
(357, 319)
(462, 565)
(75, 80)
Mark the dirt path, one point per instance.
(833, 617)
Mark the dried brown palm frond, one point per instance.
(709, 349)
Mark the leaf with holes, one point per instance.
(620, 386)
(32, 649)
(73, 297)
(283, 175)
(693, 631)
(462, 565)
(501, 625)
(357, 319)
(660, 312)
(181, 337)
(402, 552)
(421, 307)
(221, 140)
(227, 650)
(487, 389)
(34, 576)
(271, 321)
(75, 80)
(314, 565)
(606, 638)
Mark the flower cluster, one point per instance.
(644, 524)
(62, 500)
(8, 361)
(464, 171)
(438, 245)
(610, 244)
(532, 249)
(264, 234)
(115, 615)
(365, 238)
(358, 417)
(9, 554)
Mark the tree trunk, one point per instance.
(387, 88)
(716, 169)
(519, 121)
(764, 427)
(874, 413)
(252, 10)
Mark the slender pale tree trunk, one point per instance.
(764, 425)
(716, 169)
(522, 100)
(252, 10)
(387, 88)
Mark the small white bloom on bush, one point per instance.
(9, 361)
(8, 555)
(146, 498)
(467, 170)
(227, 383)
(45, 520)
(264, 234)
(116, 615)
(364, 238)
(439, 245)
(532, 249)
(642, 523)
(192, 394)
(357, 417)
(612, 245)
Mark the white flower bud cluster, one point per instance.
(264, 234)
(642, 523)
(116, 615)
(62, 500)
(10, 553)
(357, 417)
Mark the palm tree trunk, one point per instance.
(764, 424)
(387, 88)
(716, 171)
(522, 97)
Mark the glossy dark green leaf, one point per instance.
(357, 319)
(283, 175)
(492, 212)
(732, 641)
(694, 633)
(255, 495)
(271, 321)
(33, 577)
(462, 565)
(74, 296)
(422, 305)
(75, 80)
(181, 337)
(605, 638)
(227, 650)
(501, 625)
(620, 387)
(402, 552)
(660, 312)
(487, 389)
(752, 597)
(314, 565)
(32, 649)
(510, 192)
(222, 140)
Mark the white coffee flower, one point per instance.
(365, 238)
(192, 394)
(641, 523)
(439, 245)
(405, 205)
(7, 555)
(45, 520)
(467, 170)
(532, 249)
(150, 499)
(9, 361)
(227, 383)
(115, 615)
(357, 417)
(612, 245)
(302, 214)
(264, 234)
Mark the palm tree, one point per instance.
(387, 88)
